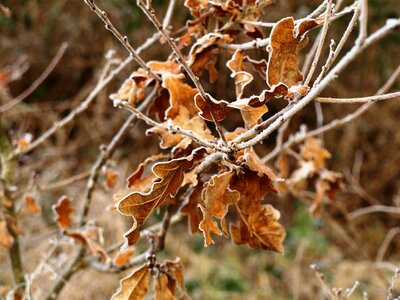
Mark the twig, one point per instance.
(298, 106)
(122, 39)
(363, 22)
(358, 100)
(386, 242)
(374, 209)
(171, 127)
(149, 12)
(333, 55)
(64, 182)
(7, 204)
(37, 82)
(321, 42)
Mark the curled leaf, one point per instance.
(219, 108)
(139, 206)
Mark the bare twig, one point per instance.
(358, 100)
(122, 39)
(374, 209)
(37, 82)
(321, 42)
(386, 242)
(64, 182)
(171, 127)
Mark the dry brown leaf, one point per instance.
(164, 67)
(181, 95)
(133, 88)
(203, 54)
(161, 288)
(263, 232)
(123, 257)
(328, 184)
(220, 108)
(140, 205)
(91, 237)
(111, 177)
(134, 286)
(31, 205)
(285, 42)
(254, 162)
(242, 78)
(312, 150)
(63, 209)
(191, 209)
(217, 196)
(137, 182)
(6, 239)
(208, 226)
(258, 224)
(183, 113)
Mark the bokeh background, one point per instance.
(345, 250)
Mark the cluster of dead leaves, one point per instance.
(167, 278)
(240, 191)
(311, 170)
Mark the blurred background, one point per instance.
(365, 151)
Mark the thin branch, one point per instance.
(374, 209)
(37, 82)
(333, 55)
(363, 22)
(122, 39)
(149, 12)
(64, 182)
(255, 44)
(170, 127)
(386, 242)
(358, 100)
(321, 42)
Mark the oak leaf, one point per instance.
(135, 285)
(258, 224)
(216, 196)
(285, 42)
(140, 205)
(63, 209)
(208, 226)
(219, 108)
